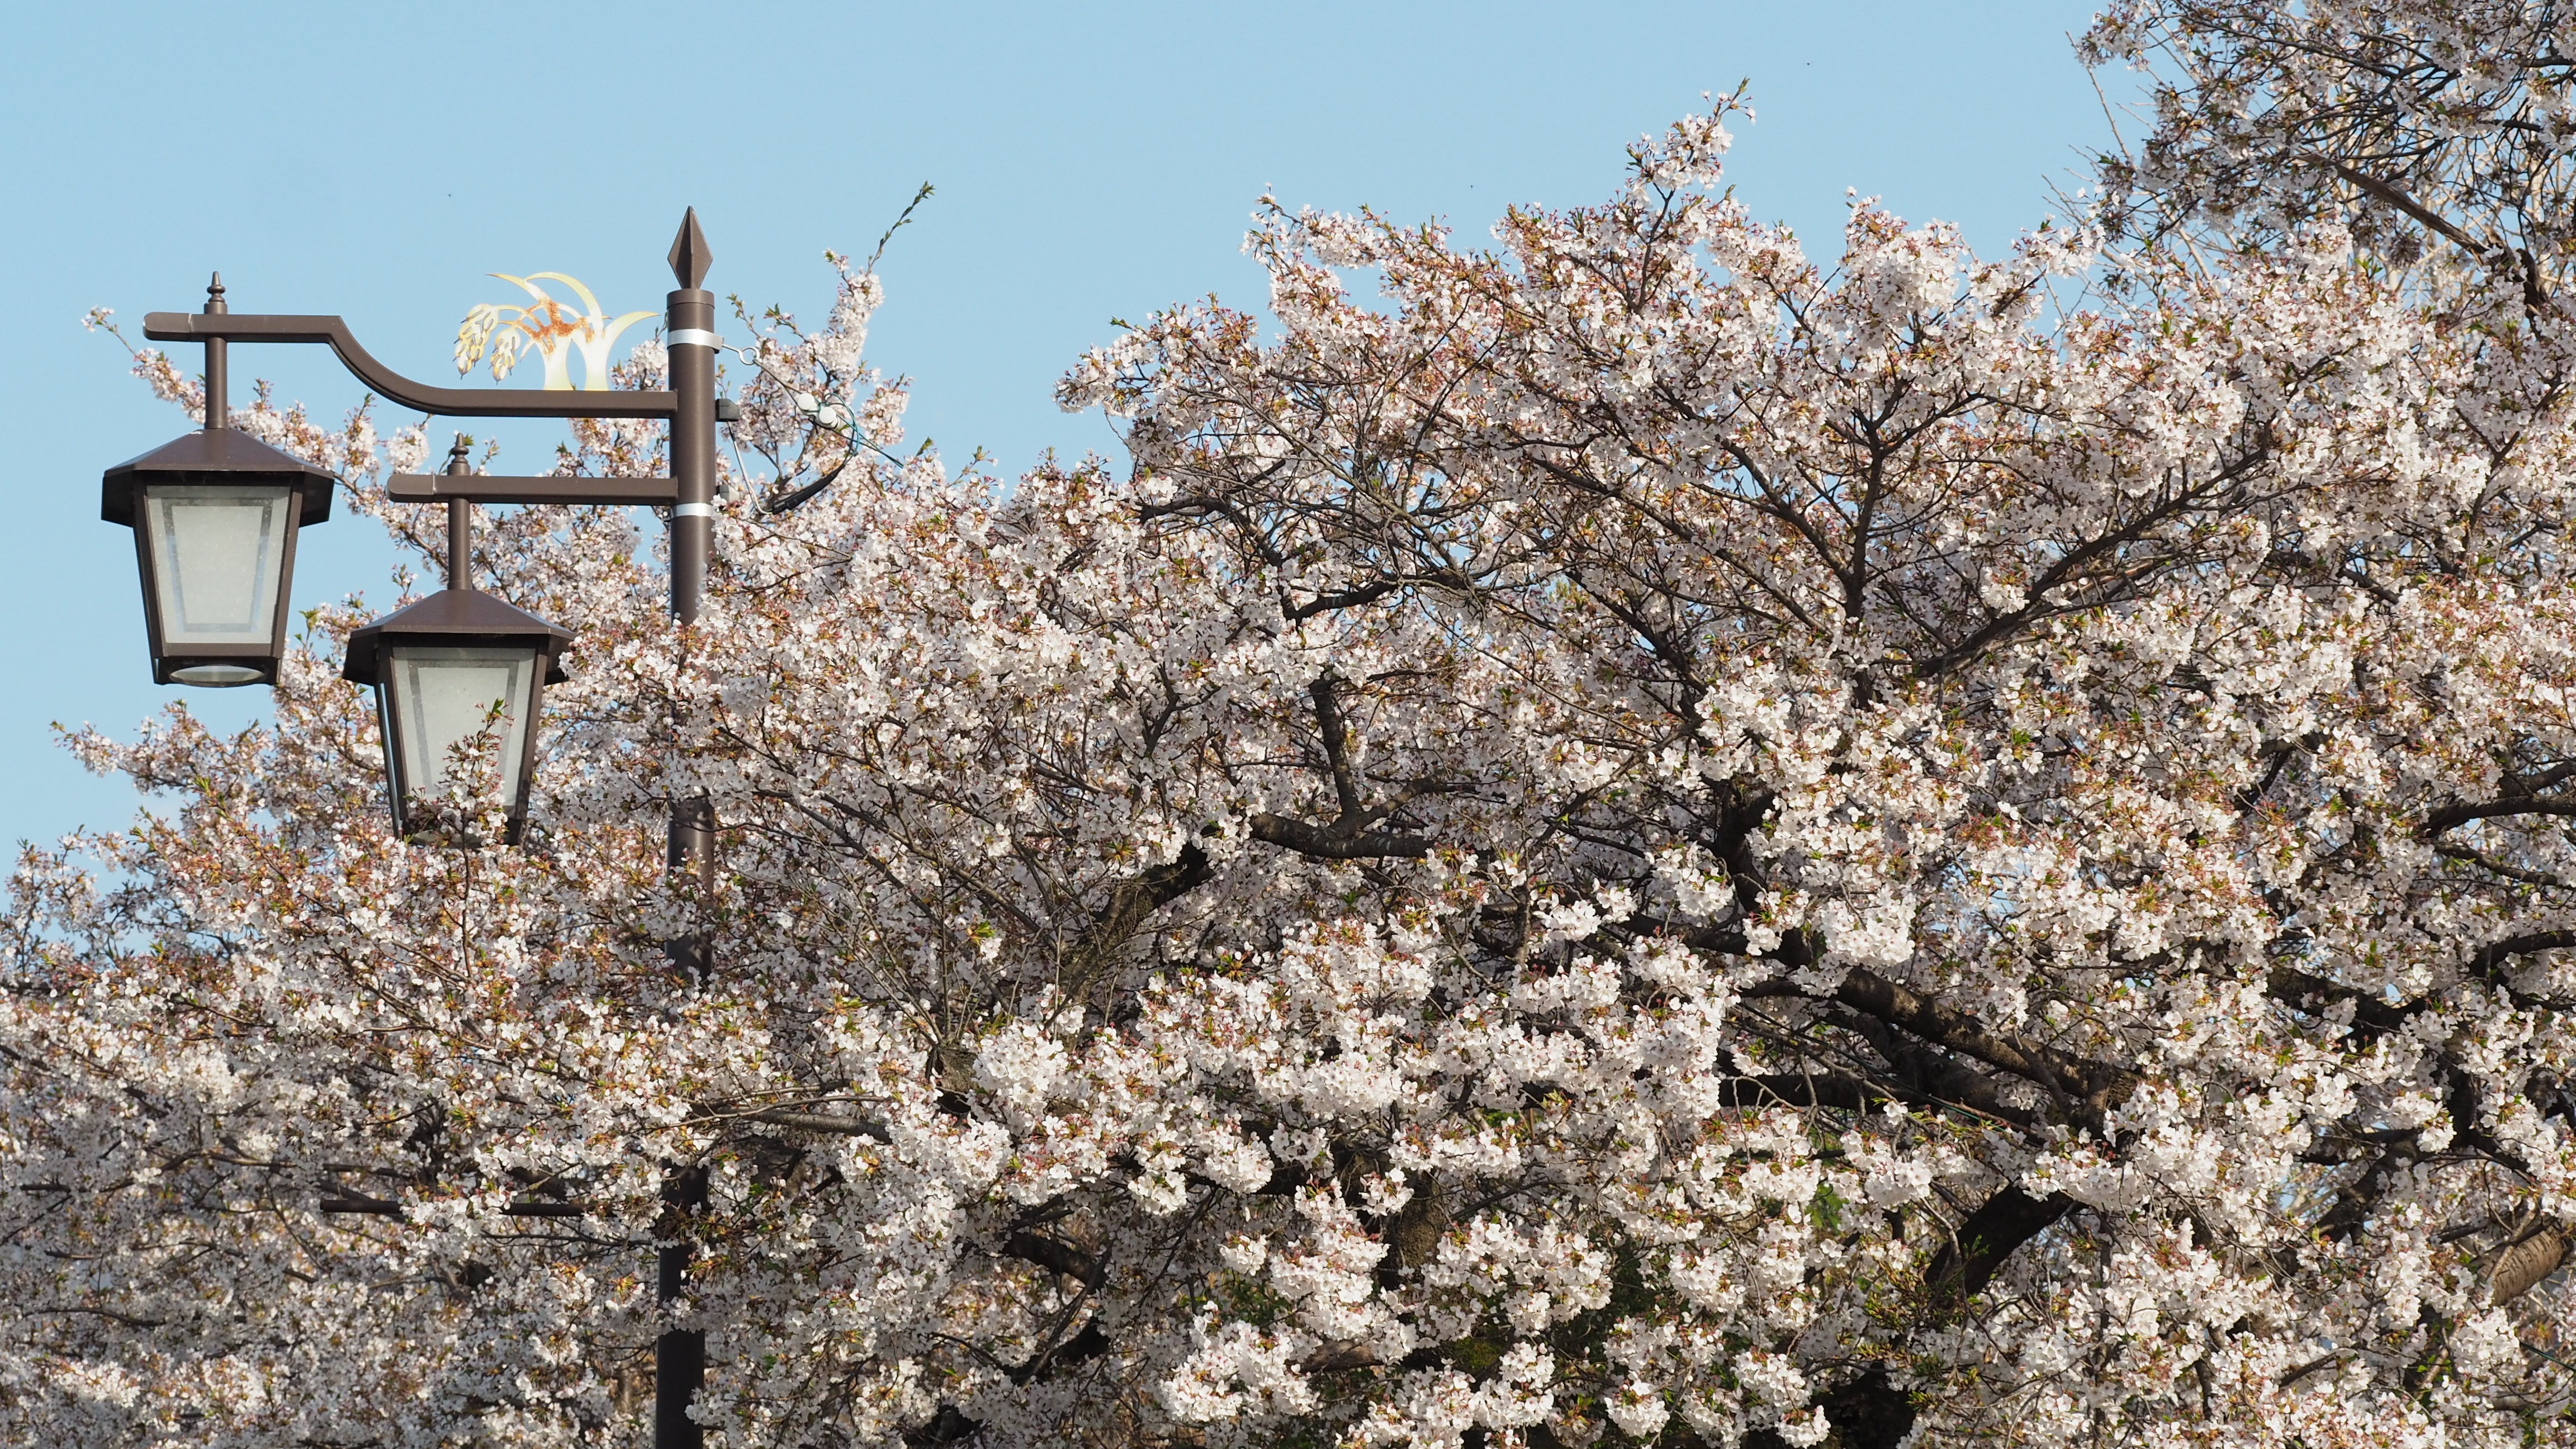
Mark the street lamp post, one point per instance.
(215, 515)
(680, 1355)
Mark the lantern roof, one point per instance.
(215, 455)
(457, 619)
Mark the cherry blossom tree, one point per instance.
(2423, 129)
(1634, 837)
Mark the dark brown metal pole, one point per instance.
(691, 337)
(218, 392)
(680, 1356)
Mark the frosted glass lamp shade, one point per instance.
(460, 681)
(215, 516)
(217, 569)
(458, 718)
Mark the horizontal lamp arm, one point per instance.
(491, 488)
(452, 402)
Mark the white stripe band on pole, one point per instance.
(694, 337)
(693, 510)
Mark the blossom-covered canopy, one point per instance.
(1639, 837)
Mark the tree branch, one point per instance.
(2521, 1264)
(1131, 901)
(818, 1122)
(1347, 837)
(2094, 1087)
(1330, 842)
(1961, 1270)
(1054, 1254)
(2496, 955)
(1834, 1090)
(2404, 203)
(1335, 733)
(2452, 816)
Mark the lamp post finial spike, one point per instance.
(689, 253)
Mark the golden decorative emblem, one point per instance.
(546, 327)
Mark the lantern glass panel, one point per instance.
(438, 698)
(218, 554)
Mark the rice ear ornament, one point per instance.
(546, 327)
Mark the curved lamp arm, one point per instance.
(392, 386)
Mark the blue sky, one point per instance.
(1091, 161)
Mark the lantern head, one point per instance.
(214, 515)
(458, 677)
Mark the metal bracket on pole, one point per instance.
(494, 488)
